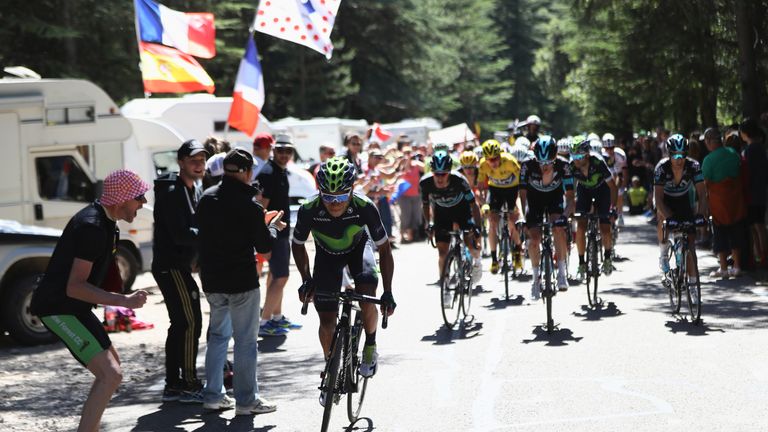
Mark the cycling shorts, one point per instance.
(445, 217)
(539, 202)
(499, 196)
(83, 334)
(601, 196)
(329, 270)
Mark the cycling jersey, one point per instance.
(339, 235)
(618, 163)
(506, 175)
(597, 173)
(458, 192)
(663, 176)
(531, 177)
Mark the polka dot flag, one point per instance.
(305, 22)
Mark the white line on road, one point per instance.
(483, 410)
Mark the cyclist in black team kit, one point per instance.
(544, 180)
(345, 226)
(595, 184)
(453, 201)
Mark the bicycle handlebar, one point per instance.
(347, 297)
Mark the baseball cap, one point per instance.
(238, 160)
(191, 148)
(283, 140)
(122, 185)
(375, 153)
(263, 140)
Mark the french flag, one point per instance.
(191, 33)
(248, 97)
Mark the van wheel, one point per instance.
(128, 266)
(21, 324)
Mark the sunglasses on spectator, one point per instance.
(141, 198)
(578, 156)
(283, 150)
(678, 155)
(355, 143)
(335, 199)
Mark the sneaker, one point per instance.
(664, 264)
(477, 271)
(171, 394)
(536, 289)
(225, 403)
(369, 364)
(270, 329)
(494, 267)
(286, 323)
(608, 266)
(191, 396)
(719, 274)
(517, 259)
(581, 272)
(734, 272)
(562, 281)
(261, 406)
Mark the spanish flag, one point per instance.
(168, 70)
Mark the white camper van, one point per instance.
(308, 135)
(60, 139)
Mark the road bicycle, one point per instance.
(682, 278)
(341, 376)
(456, 280)
(594, 256)
(547, 272)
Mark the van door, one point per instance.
(63, 186)
(10, 174)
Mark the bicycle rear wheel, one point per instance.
(330, 381)
(593, 271)
(466, 296)
(693, 289)
(356, 384)
(450, 290)
(549, 292)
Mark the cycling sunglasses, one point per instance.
(335, 199)
(546, 162)
(677, 155)
(578, 156)
(441, 174)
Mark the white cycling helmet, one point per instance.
(564, 146)
(520, 152)
(593, 136)
(533, 119)
(596, 146)
(523, 141)
(608, 140)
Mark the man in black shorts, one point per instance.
(544, 180)
(447, 197)
(71, 287)
(345, 226)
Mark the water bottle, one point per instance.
(678, 252)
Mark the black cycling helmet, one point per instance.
(545, 148)
(441, 162)
(677, 144)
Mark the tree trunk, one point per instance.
(745, 35)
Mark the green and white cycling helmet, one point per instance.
(336, 175)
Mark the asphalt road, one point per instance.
(630, 365)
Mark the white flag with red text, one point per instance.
(305, 22)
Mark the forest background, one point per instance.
(604, 65)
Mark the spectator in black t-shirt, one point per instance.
(274, 182)
(174, 250)
(757, 179)
(83, 257)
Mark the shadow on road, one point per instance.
(558, 337)
(172, 418)
(446, 336)
(355, 426)
(597, 313)
(501, 303)
(682, 325)
(271, 344)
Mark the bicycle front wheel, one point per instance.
(593, 272)
(693, 287)
(505, 263)
(451, 288)
(331, 378)
(549, 292)
(356, 384)
(466, 296)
